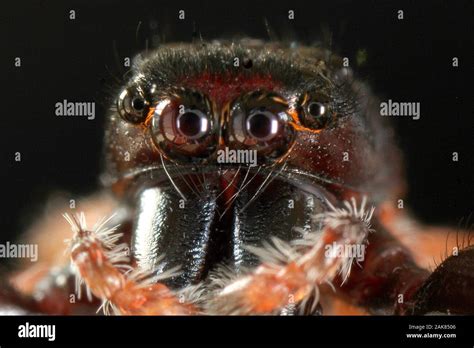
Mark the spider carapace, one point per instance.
(245, 178)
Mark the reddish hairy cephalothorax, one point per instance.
(245, 178)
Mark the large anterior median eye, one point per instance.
(184, 127)
(262, 125)
(259, 121)
(192, 124)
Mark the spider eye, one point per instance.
(192, 124)
(132, 106)
(259, 121)
(316, 113)
(184, 128)
(316, 109)
(138, 104)
(262, 125)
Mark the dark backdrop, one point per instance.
(408, 60)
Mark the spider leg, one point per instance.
(449, 287)
(448, 252)
(47, 285)
(292, 272)
(103, 267)
(388, 277)
(393, 279)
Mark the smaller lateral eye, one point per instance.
(132, 106)
(315, 112)
(319, 113)
(316, 109)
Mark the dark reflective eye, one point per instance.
(319, 113)
(315, 111)
(184, 127)
(262, 125)
(192, 124)
(138, 104)
(259, 121)
(132, 106)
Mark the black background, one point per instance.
(407, 60)
(251, 331)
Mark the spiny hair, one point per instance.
(116, 254)
(106, 236)
(351, 220)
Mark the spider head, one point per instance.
(220, 145)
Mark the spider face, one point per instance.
(210, 154)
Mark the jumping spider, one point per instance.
(196, 232)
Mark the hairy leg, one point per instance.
(391, 279)
(47, 286)
(289, 275)
(406, 265)
(104, 268)
(292, 273)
